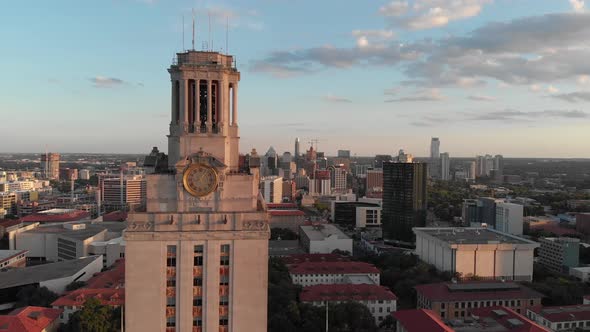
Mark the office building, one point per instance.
(68, 174)
(445, 166)
(499, 163)
(124, 193)
(481, 252)
(84, 174)
(403, 157)
(559, 254)
(368, 216)
(343, 153)
(271, 188)
(344, 213)
(470, 213)
(562, 318)
(453, 300)
(434, 148)
(374, 180)
(380, 301)
(50, 166)
(509, 218)
(297, 152)
(338, 179)
(382, 158)
(434, 163)
(486, 207)
(323, 239)
(8, 202)
(197, 256)
(404, 199)
(333, 272)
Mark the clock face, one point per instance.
(200, 180)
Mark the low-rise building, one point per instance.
(380, 301)
(285, 215)
(559, 254)
(562, 318)
(509, 218)
(325, 273)
(419, 320)
(13, 258)
(54, 276)
(323, 239)
(481, 252)
(582, 273)
(454, 300)
(31, 319)
(74, 301)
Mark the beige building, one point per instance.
(197, 256)
(480, 252)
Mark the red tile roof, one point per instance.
(63, 217)
(10, 222)
(505, 320)
(300, 258)
(420, 320)
(563, 313)
(281, 205)
(113, 278)
(332, 268)
(115, 216)
(346, 292)
(295, 213)
(106, 296)
(441, 292)
(29, 319)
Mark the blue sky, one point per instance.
(486, 76)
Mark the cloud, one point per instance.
(106, 82)
(481, 98)
(220, 14)
(365, 38)
(583, 79)
(515, 115)
(577, 5)
(421, 124)
(336, 99)
(427, 95)
(428, 14)
(574, 97)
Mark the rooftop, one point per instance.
(346, 292)
(280, 213)
(564, 313)
(322, 231)
(35, 274)
(470, 291)
(471, 235)
(106, 296)
(300, 258)
(419, 320)
(56, 215)
(90, 230)
(332, 268)
(112, 278)
(28, 319)
(495, 319)
(10, 222)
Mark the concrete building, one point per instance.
(374, 180)
(118, 193)
(323, 239)
(271, 188)
(404, 199)
(559, 254)
(470, 213)
(419, 320)
(50, 166)
(84, 174)
(380, 301)
(445, 166)
(329, 272)
(344, 213)
(403, 157)
(562, 318)
(454, 300)
(343, 153)
(197, 255)
(54, 276)
(338, 179)
(368, 216)
(13, 258)
(480, 252)
(8, 202)
(509, 218)
(31, 319)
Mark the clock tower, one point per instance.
(197, 252)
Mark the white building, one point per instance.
(111, 250)
(509, 218)
(445, 166)
(368, 216)
(478, 252)
(323, 239)
(328, 273)
(271, 188)
(84, 174)
(380, 301)
(562, 318)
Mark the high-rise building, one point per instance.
(50, 166)
(196, 258)
(509, 218)
(271, 188)
(84, 174)
(499, 163)
(559, 254)
(343, 153)
(297, 152)
(404, 199)
(338, 178)
(382, 158)
(374, 180)
(434, 165)
(403, 157)
(434, 148)
(118, 193)
(445, 166)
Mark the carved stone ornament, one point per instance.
(141, 226)
(254, 225)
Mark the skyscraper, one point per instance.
(434, 166)
(434, 148)
(404, 199)
(50, 165)
(297, 153)
(197, 252)
(445, 166)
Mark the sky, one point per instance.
(507, 77)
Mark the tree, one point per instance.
(93, 317)
(351, 316)
(35, 296)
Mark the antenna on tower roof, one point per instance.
(227, 36)
(193, 29)
(183, 49)
(210, 44)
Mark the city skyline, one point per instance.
(438, 68)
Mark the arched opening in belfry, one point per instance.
(176, 106)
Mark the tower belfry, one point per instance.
(197, 254)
